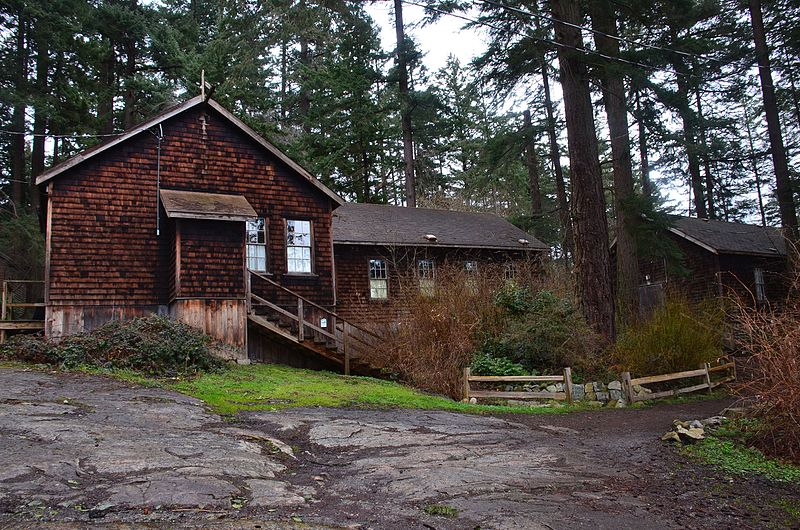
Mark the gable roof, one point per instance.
(380, 224)
(174, 111)
(721, 237)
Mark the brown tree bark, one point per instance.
(604, 21)
(17, 143)
(592, 260)
(105, 105)
(709, 176)
(565, 220)
(754, 165)
(644, 160)
(40, 117)
(783, 183)
(532, 164)
(405, 106)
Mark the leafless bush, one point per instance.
(439, 334)
(771, 337)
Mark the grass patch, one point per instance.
(441, 510)
(726, 449)
(270, 387)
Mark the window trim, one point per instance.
(312, 238)
(431, 281)
(370, 279)
(247, 245)
(761, 287)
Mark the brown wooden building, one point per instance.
(718, 258)
(381, 250)
(193, 214)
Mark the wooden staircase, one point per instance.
(281, 313)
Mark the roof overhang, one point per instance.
(211, 206)
(174, 111)
(525, 248)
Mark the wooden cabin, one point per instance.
(192, 214)
(717, 258)
(382, 250)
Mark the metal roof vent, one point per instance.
(430, 237)
(523, 241)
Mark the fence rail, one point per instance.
(724, 365)
(8, 304)
(565, 378)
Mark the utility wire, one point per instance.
(596, 32)
(45, 135)
(585, 51)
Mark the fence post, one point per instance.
(346, 347)
(706, 366)
(300, 331)
(568, 384)
(466, 383)
(626, 384)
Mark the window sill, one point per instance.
(300, 275)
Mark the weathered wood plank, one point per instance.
(668, 377)
(511, 378)
(518, 395)
(21, 324)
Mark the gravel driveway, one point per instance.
(77, 450)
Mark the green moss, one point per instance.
(726, 450)
(268, 387)
(440, 510)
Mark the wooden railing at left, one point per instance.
(7, 306)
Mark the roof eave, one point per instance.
(434, 245)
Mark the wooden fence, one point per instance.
(724, 365)
(565, 379)
(8, 304)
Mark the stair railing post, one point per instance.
(248, 280)
(300, 331)
(346, 347)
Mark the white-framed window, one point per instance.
(510, 270)
(256, 237)
(470, 282)
(761, 286)
(298, 246)
(426, 274)
(471, 267)
(378, 280)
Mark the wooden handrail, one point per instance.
(307, 301)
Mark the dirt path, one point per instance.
(77, 450)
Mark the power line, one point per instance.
(585, 51)
(45, 135)
(596, 32)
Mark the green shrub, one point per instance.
(678, 336)
(540, 331)
(486, 364)
(153, 345)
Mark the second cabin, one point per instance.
(194, 215)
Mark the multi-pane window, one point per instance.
(761, 286)
(470, 282)
(510, 270)
(256, 244)
(298, 246)
(378, 280)
(426, 275)
(471, 267)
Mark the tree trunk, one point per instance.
(689, 120)
(567, 241)
(783, 183)
(40, 117)
(709, 176)
(532, 163)
(754, 165)
(17, 142)
(604, 21)
(129, 113)
(405, 107)
(105, 105)
(647, 185)
(592, 260)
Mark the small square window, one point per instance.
(471, 267)
(510, 271)
(378, 280)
